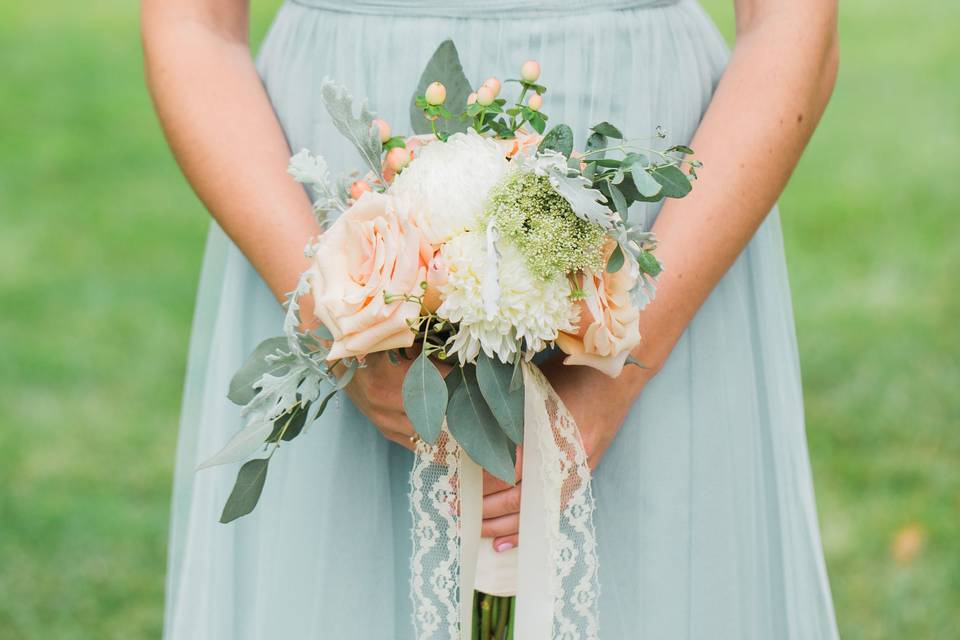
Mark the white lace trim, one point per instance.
(567, 576)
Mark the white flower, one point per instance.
(529, 309)
(447, 184)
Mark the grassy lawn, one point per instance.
(100, 248)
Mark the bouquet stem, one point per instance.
(493, 617)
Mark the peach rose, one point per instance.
(524, 142)
(609, 323)
(370, 250)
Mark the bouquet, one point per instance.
(477, 242)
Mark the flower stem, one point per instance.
(485, 610)
(506, 613)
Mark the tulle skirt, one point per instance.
(706, 520)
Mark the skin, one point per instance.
(216, 115)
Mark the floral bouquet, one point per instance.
(480, 241)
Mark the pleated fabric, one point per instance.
(706, 519)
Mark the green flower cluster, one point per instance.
(540, 222)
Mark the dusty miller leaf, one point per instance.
(359, 130)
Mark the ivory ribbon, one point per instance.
(549, 452)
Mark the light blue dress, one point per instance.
(706, 522)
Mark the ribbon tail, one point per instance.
(538, 520)
(471, 512)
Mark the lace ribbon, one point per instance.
(558, 586)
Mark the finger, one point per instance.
(505, 543)
(502, 503)
(502, 526)
(492, 484)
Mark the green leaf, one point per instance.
(241, 385)
(425, 397)
(559, 138)
(506, 405)
(675, 182)
(594, 142)
(246, 491)
(619, 202)
(644, 182)
(615, 262)
(649, 263)
(538, 122)
(682, 148)
(394, 142)
(289, 425)
(516, 380)
(476, 428)
(444, 66)
(607, 129)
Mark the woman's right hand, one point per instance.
(377, 391)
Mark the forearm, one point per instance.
(224, 133)
(764, 111)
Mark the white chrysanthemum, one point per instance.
(529, 309)
(448, 183)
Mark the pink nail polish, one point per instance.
(504, 546)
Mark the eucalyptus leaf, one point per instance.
(289, 425)
(246, 491)
(475, 427)
(360, 129)
(516, 380)
(615, 262)
(425, 397)
(560, 139)
(494, 378)
(241, 445)
(444, 67)
(607, 129)
(594, 142)
(675, 182)
(645, 183)
(242, 390)
(619, 202)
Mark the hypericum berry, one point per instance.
(436, 94)
(530, 71)
(485, 96)
(397, 158)
(493, 84)
(535, 102)
(359, 188)
(472, 98)
(384, 127)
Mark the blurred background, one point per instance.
(100, 245)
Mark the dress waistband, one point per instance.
(492, 9)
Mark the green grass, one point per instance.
(99, 252)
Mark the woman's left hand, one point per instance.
(598, 403)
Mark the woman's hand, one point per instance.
(599, 405)
(377, 391)
(501, 509)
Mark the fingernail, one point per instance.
(504, 546)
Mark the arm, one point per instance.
(224, 133)
(771, 96)
(226, 137)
